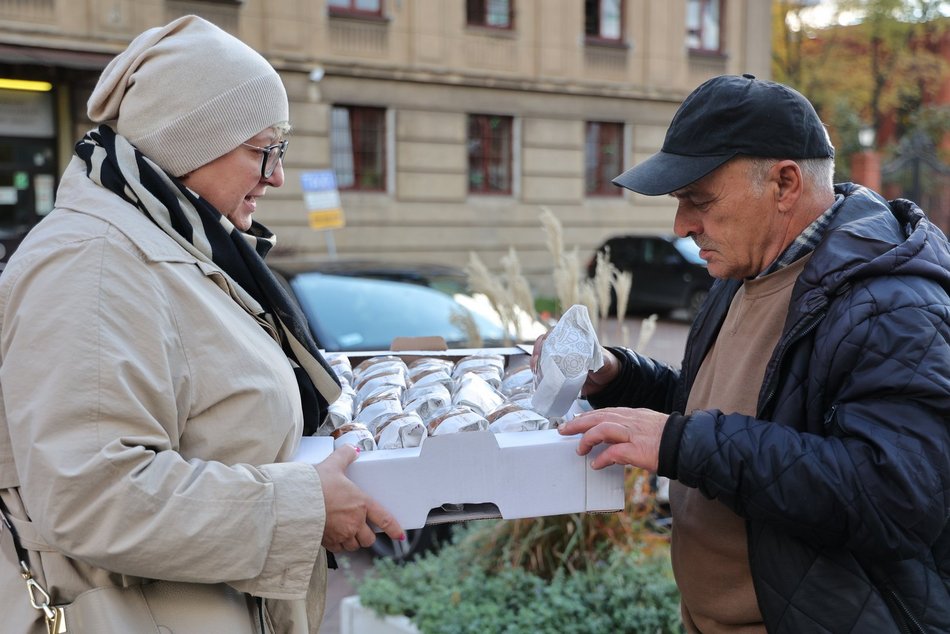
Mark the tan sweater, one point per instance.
(710, 554)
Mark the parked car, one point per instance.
(668, 273)
(363, 305)
(354, 305)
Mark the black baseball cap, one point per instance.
(725, 117)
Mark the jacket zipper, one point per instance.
(909, 623)
(816, 318)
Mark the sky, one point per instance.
(824, 14)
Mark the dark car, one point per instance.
(668, 274)
(354, 305)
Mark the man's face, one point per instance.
(731, 215)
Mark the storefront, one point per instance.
(27, 160)
(42, 113)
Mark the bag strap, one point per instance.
(39, 597)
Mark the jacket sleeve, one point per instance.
(94, 395)
(876, 477)
(642, 382)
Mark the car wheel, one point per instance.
(417, 541)
(695, 302)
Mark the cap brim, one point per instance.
(663, 173)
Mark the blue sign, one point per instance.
(318, 181)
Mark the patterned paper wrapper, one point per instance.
(570, 351)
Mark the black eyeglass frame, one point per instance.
(268, 150)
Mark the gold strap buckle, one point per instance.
(40, 599)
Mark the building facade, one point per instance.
(449, 124)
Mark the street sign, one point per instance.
(322, 199)
(327, 219)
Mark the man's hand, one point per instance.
(596, 380)
(633, 435)
(349, 510)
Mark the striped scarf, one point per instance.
(115, 164)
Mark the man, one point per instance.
(807, 430)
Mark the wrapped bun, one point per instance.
(426, 400)
(456, 419)
(384, 401)
(511, 418)
(400, 431)
(354, 434)
(476, 393)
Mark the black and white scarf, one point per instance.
(115, 164)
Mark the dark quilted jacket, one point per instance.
(843, 475)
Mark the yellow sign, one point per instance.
(326, 219)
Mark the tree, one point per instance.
(882, 70)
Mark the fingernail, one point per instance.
(357, 449)
(402, 537)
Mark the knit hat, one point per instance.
(188, 92)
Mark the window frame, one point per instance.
(484, 160)
(474, 7)
(599, 37)
(704, 5)
(603, 188)
(380, 155)
(352, 11)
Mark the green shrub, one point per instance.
(458, 590)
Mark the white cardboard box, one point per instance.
(508, 475)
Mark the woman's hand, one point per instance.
(633, 436)
(596, 379)
(349, 510)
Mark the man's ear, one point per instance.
(788, 176)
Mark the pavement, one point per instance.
(352, 566)
(666, 343)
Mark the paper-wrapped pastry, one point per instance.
(434, 376)
(385, 400)
(456, 419)
(427, 364)
(400, 430)
(426, 400)
(569, 352)
(511, 417)
(341, 410)
(340, 364)
(354, 434)
(489, 366)
(517, 381)
(368, 384)
(375, 365)
(476, 393)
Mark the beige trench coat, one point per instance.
(144, 423)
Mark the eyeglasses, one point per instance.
(272, 155)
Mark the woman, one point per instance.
(155, 378)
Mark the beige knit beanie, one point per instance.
(188, 92)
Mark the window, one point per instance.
(358, 147)
(703, 25)
(356, 7)
(498, 14)
(489, 154)
(603, 158)
(603, 19)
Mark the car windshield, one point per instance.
(357, 313)
(689, 250)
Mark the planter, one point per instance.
(355, 619)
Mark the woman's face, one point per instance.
(232, 183)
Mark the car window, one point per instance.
(354, 313)
(624, 253)
(690, 250)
